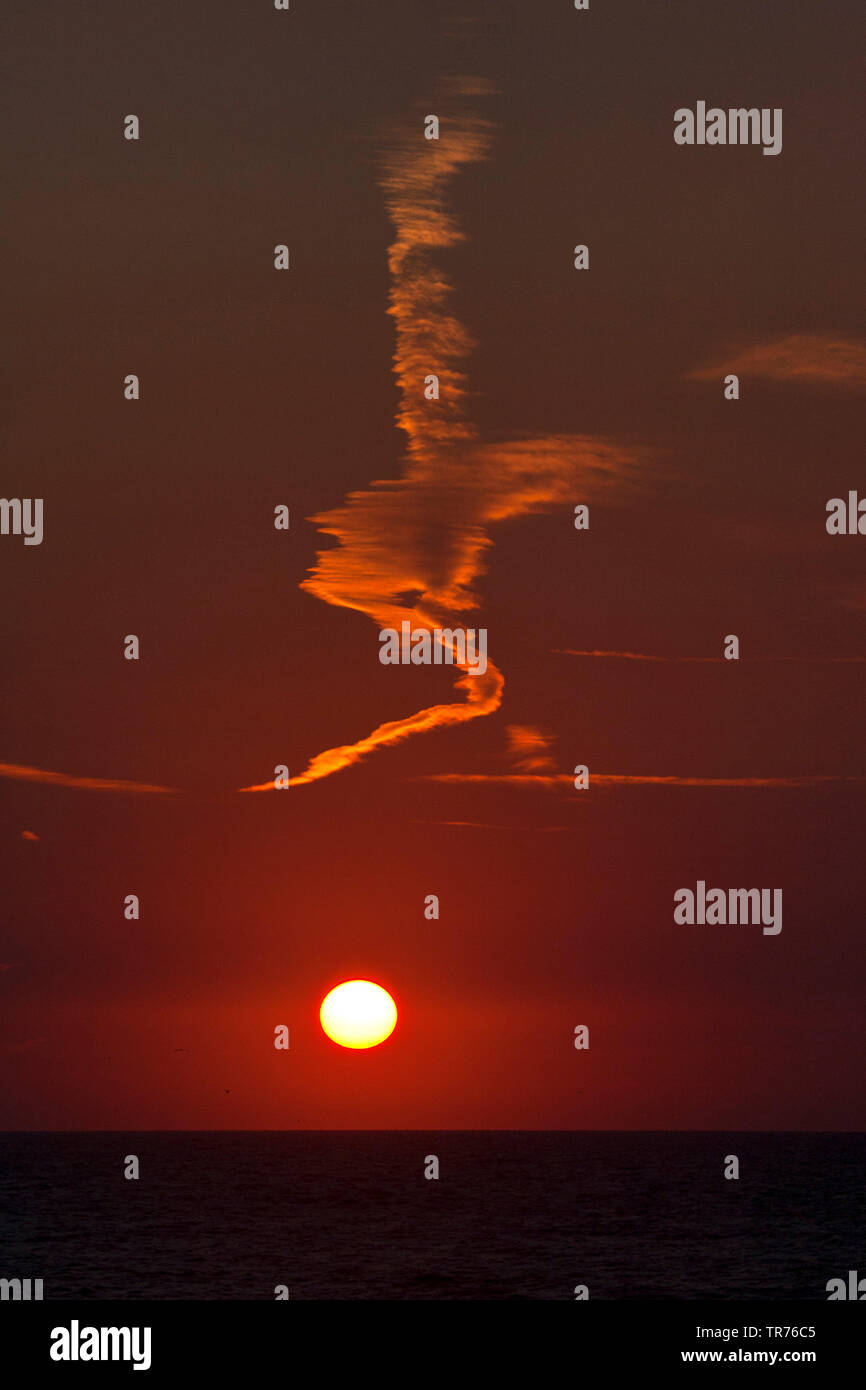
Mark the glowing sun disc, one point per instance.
(358, 1013)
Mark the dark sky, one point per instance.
(260, 387)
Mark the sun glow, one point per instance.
(358, 1014)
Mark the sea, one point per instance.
(512, 1214)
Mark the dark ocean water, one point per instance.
(513, 1215)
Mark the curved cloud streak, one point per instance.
(412, 548)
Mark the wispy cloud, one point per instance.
(614, 779)
(521, 830)
(21, 773)
(822, 359)
(412, 548)
(563, 781)
(530, 748)
(532, 752)
(470, 824)
(803, 659)
(632, 656)
(528, 780)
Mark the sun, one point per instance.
(358, 1013)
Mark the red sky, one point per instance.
(260, 647)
